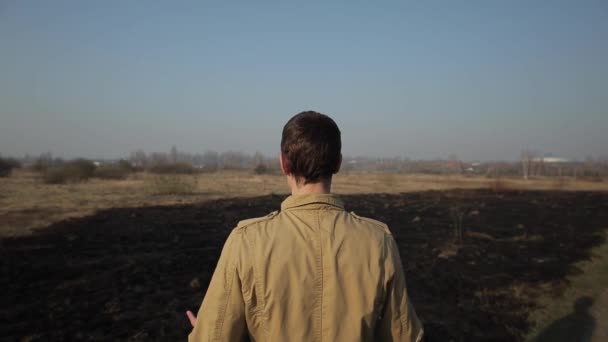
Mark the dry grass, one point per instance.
(395, 183)
(26, 203)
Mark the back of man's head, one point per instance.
(311, 147)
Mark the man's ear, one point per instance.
(339, 164)
(283, 162)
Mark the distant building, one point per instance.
(551, 160)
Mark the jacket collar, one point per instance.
(312, 201)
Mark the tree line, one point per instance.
(531, 164)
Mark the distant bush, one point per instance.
(172, 168)
(46, 161)
(173, 184)
(559, 183)
(592, 176)
(498, 185)
(40, 165)
(260, 169)
(7, 165)
(111, 172)
(120, 170)
(5, 168)
(55, 175)
(77, 170)
(596, 179)
(14, 163)
(125, 165)
(208, 168)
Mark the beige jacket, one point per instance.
(311, 272)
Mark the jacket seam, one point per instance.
(222, 315)
(376, 224)
(320, 286)
(258, 220)
(247, 299)
(332, 207)
(261, 307)
(382, 279)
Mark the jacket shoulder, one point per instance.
(248, 222)
(378, 224)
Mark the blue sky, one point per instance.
(479, 79)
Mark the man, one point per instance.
(311, 272)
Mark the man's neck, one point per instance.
(322, 187)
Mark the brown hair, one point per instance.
(311, 146)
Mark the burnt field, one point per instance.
(130, 274)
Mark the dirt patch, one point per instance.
(130, 274)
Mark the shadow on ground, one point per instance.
(130, 274)
(578, 326)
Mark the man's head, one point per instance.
(310, 147)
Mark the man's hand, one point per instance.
(191, 317)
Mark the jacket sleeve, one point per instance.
(398, 320)
(222, 315)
